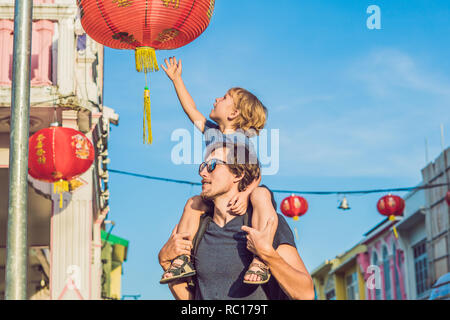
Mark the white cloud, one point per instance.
(387, 70)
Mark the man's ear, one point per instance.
(237, 179)
(234, 114)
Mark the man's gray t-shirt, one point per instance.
(222, 259)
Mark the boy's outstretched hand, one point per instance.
(173, 68)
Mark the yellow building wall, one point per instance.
(361, 285)
(340, 287)
(115, 284)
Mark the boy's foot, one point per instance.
(257, 273)
(181, 267)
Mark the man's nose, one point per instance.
(203, 173)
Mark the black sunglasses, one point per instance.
(210, 165)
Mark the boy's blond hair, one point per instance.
(253, 113)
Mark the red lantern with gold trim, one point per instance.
(294, 207)
(145, 26)
(58, 155)
(391, 206)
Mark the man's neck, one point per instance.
(222, 212)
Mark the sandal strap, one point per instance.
(260, 273)
(177, 270)
(259, 265)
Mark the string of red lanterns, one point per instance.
(390, 205)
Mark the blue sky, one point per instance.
(353, 108)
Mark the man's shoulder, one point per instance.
(284, 234)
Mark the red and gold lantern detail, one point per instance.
(145, 26)
(294, 206)
(391, 206)
(58, 155)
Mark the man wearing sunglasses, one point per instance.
(227, 246)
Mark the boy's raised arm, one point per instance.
(173, 71)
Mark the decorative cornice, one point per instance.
(45, 11)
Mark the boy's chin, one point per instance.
(212, 117)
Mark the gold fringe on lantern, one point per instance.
(60, 187)
(145, 59)
(147, 126)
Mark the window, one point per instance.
(352, 286)
(330, 294)
(377, 290)
(421, 267)
(387, 274)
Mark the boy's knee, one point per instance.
(196, 203)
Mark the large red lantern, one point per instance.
(391, 206)
(58, 155)
(145, 25)
(447, 198)
(294, 207)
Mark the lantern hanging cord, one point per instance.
(429, 186)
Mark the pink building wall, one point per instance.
(396, 263)
(41, 51)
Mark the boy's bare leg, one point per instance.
(189, 223)
(263, 210)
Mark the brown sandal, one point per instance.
(264, 274)
(186, 269)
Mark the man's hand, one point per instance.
(177, 245)
(173, 68)
(239, 204)
(258, 242)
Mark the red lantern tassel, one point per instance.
(147, 127)
(146, 61)
(60, 187)
(295, 228)
(392, 218)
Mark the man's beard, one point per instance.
(211, 195)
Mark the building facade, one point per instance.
(66, 86)
(437, 217)
(341, 278)
(413, 240)
(383, 263)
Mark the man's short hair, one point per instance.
(240, 161)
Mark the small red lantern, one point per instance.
(391, 206)
(447, 198)
(294, 207)
(58, 155)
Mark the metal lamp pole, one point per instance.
(17, 250)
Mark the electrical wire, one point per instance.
(192, 183)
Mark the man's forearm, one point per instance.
(296, 284)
